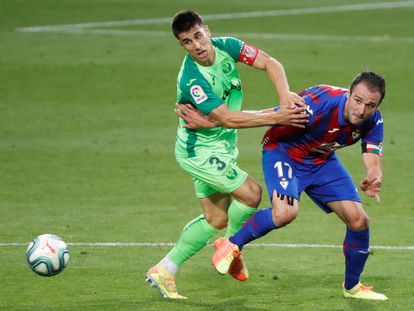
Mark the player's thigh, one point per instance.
(279, 174)
(351, 213)
(282, 185)
(331, 182)
(249, 193)
(213, 173)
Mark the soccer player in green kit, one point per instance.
(209, 80)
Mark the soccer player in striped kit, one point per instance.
(296, 160)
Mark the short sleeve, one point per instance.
(231, 45)
(199, 93)
(374, 130)
(373, 135)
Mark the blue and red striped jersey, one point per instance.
(327, 129)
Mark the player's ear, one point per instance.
(180, 42)
(207, 31)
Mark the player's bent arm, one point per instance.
(277, 75)
(193, 117)
(241, 119)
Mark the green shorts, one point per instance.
(212, 173)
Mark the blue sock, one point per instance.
(356, 251)
(259, 224)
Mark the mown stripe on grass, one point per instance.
(160, 244)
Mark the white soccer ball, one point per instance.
(47, 255)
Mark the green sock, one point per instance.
(238, 213)
(194, 237)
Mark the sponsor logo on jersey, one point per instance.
(326, 148)
(284, 183)
(308, 109)
(234, 85)
(190, 82)
(333, 130)
(198, 94)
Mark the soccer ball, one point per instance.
(47, 255)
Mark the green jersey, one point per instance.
(206, 88)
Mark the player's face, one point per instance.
(197, 43)
(361, 104)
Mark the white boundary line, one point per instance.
(308, 37)
(264, 36)
(226, 16)
(160, 244)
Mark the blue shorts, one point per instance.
(323, 183)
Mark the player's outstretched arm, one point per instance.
(277, 75)
(241, 119)
(371, 183)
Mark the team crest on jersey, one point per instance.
(356, 134)
(198, 94)
(284, 183)
(231, 174)
(226, 66)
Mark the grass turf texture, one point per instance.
(86, 152)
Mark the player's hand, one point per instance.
(292, 116)
(291, 99)
(371, 187)
(193, 117)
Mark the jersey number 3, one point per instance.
(216, 161)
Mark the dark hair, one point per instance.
(184, 21)
(372, 80)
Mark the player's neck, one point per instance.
(345, 112)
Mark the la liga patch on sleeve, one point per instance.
(198, 94)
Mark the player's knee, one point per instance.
(250, 193)
(284, 211)
(359, 222)
(217, 221)
(285, 216)
(254, 195)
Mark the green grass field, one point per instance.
(86, 152)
